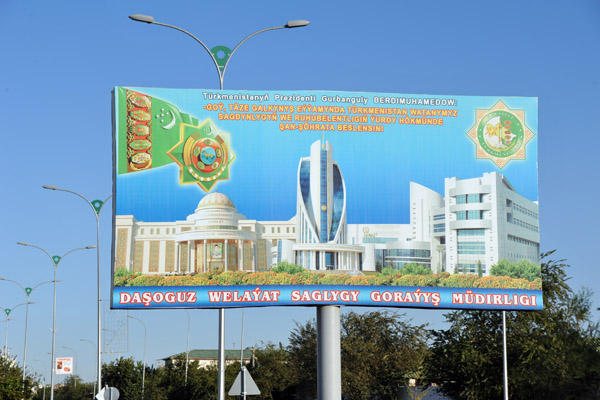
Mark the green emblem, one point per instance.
(500, 134)
(203, 155)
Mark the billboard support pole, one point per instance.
(221, 353)
(504, 355)
(329, 366)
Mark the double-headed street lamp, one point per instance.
(220, 56)
(27, 291)
(55, 262)
(7, 311)
(144, 367)
(96, 206)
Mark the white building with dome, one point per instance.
(216, 237)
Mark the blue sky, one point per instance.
(60, 62)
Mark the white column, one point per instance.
(189, 255)
(241, 254)
(226, 254)
(193, 256)
(205, 269)
(255, 262)
(177, 257)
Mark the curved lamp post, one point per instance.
(55, 262)
(96, 206)
(44, 365)
(94, 349)
(144, 368)
(7, 311)
(187, 347)
(27, 291)
(220, 56)
(76, 362)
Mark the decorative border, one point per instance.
(139, 131)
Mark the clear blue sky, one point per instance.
(61, 60)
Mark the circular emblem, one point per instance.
(500, 133)
(204, 157)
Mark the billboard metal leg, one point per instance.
(504, 356)
(221, 354)
(329, 366)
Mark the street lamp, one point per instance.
(76, 362)
(28, 291)
(187, 347)
(7, 311)
(55, 262)
(94, 348)
(220, 56)
(44, 365)
(96, 206)
(144, 368)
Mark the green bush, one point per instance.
(288, 268)
(524, 269)
(415, 269)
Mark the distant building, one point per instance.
(207, 358)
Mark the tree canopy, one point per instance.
(380, 351)
(12, 386)
(552, 354)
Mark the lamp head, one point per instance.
(23, 243)
(297, 23)
(50, 187)
(142, 18)
(90, 247)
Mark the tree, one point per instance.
(288, 268)
(552, 354)
(273, 372)
(524, 269)
(73, 389)
(416, 269)
(303, 356)
(380, 351)
(12, 386)
(125, 374)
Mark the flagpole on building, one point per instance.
(220, 56)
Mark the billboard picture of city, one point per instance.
(279, 198)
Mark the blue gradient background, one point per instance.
(377, 167)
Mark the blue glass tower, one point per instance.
(321, 203)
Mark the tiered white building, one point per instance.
(475, 223)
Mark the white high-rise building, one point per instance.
(486, 220)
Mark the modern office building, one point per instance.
(486, 220)
(321, 239)
(476, 223)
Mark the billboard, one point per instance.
(278, 198)
(64, 365)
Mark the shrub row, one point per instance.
(312, 278)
